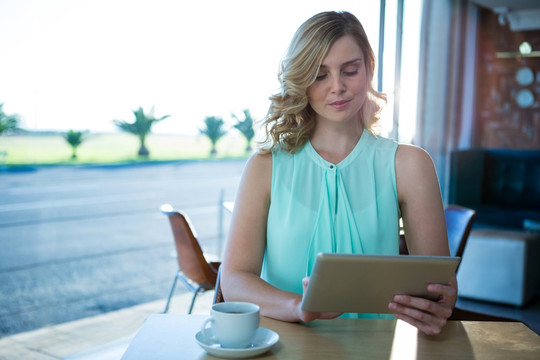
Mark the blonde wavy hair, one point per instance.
(291, 120)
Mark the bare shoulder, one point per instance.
(258, 172)
(259, 165)
(408, 156)
(415, 171)
(260, 161)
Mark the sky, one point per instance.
(79, 64)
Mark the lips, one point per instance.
(340, 104)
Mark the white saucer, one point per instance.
(263, 341)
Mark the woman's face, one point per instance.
(339, 91)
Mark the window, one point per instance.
(79, 64)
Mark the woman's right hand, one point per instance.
(307, 316)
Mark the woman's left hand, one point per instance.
(429, 316)
(310, 316)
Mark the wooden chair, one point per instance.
(194, 270)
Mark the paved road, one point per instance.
(80, 241)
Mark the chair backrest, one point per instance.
(191, 260)
(218, 294)
(459, 221)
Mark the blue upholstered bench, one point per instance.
(501, 262)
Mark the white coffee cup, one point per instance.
(233, 324)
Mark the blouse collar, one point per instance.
(319, 160)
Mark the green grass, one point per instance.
(37, 149)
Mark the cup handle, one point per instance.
(204, 328)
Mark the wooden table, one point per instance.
(169, 336)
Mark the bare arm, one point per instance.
(246, 243)
(420, 202)
(425, 232)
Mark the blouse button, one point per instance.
(331, 166)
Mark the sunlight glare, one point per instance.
(405, 343)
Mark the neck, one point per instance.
(335, 143)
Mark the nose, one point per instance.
(337, 84)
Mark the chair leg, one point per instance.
(171, 292)
(193, 299)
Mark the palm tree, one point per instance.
(214, 130)
(245, 127)
(141, 127)
(7, 122)
(74, 139)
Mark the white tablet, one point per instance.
(367, 283)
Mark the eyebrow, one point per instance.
(345, 63)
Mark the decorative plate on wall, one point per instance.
(525, 98)
(524, 76)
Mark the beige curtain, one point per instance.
(446, 81)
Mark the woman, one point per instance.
(325, 182)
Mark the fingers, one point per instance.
(426, 328)
(420, 316)
(305, 282)
(307, 316)
(438, 309)
(422, 309)
(427, 315)
(448, 293)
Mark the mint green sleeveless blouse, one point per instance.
(316, 206)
